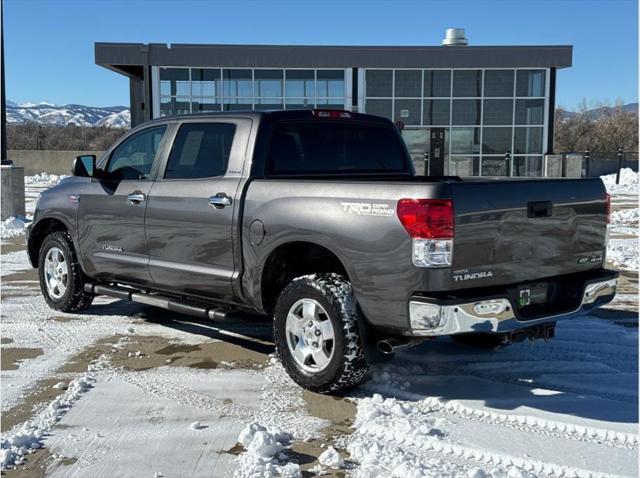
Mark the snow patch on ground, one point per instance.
(389, 434)
(397, 438)
(15, 445)
(625, 217)
(331, 458)
(623, 254)
(13, 227)
(628, 182)
(14, 262)
(264, 455)
(43, 179)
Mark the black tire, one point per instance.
(74, 299)
(482, 340)
(347, 367)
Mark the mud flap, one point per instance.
(369, 341)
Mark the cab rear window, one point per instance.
(334, 148)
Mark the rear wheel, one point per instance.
(61, 279)
(316, 334)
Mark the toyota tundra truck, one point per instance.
(317, 219)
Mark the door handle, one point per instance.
(220, 201)
(136, 197)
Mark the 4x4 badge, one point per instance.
(587, 259)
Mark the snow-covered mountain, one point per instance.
(603, 110)
(80, 115)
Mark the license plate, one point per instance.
(532, 294)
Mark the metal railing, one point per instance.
(600, 163)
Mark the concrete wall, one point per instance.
(553, 165)
(12, 187)
(54, 162)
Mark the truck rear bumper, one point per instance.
(434, 317)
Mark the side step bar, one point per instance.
(156, 300)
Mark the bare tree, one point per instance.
(65, 138)
(601, 128)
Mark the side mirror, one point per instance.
(84, 166)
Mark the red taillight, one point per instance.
(427, 218)
(333, 114)
(607, 199)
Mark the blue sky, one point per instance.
(49, 44)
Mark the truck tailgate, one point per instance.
(510, 231)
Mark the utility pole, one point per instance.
(3, 100)
(12, 188)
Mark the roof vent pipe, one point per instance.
(455, 37)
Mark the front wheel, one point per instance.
(316, 334)
(61, 279)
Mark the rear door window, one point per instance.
(200, 150)
(335, 148)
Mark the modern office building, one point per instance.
(466, 110)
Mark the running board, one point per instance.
(156, 300)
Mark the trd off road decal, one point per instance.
(367, 209)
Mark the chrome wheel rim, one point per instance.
(310, 335)
(56, 272)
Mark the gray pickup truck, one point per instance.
(317, 218)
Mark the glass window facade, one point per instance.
(465, 112)
(436, 111)
(437, 83)
(467, 83)
(407, 111)
(497, 112)
(194, 90)
(465, 141)
(496, 140)
(494, 118)
(531, 83)
(530, 112)
(498, 83)
(478, 114)
(408, 84)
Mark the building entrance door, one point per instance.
(417, 141)
(436, 152)
(428, 149)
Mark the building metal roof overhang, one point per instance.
(128, 58)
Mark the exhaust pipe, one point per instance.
(392, 345)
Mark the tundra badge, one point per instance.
(465, 274)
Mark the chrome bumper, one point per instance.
(429, 318)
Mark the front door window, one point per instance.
(133, 159)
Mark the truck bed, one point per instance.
(503, 234)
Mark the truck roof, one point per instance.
(271, 114)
